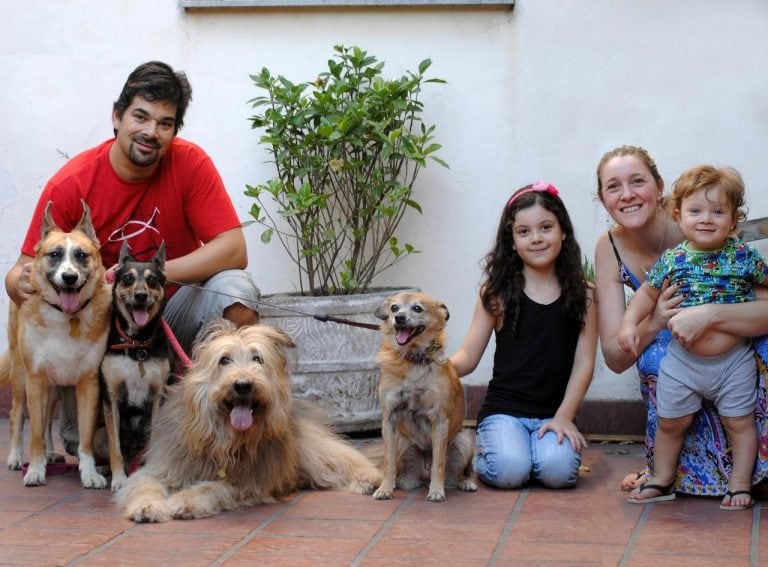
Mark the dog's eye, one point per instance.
(224, 361)
(418, 308)
(81, 256)
(257, 359)
(128, 279)
(55, 254)
(151, 281)
(393, 308)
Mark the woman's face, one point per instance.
(629, 193)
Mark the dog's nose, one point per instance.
(140, 297)
(69, 278)
(400, 319)
(243, 388)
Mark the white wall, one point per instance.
(535, 93)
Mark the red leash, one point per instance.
(185, 361)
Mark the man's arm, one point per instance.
(18, 280)
(227, 251)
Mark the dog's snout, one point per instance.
(243, 388)
(140, 296)
(69, 278)
(400, 319)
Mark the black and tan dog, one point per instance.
(57, 337)
(422, 401)
(137, 364)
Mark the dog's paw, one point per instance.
(35, 475)
(55, 457)
(118, 481)
(149, 512)
(363, 486)
(467, 485)
(383, 493)
(14, 462)
(436, 495)
(92, 479)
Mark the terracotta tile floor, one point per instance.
(63, 524)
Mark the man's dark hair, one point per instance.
(156, 81)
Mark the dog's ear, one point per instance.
(125, 254)
(48, 224)
(279, 336)
(382, 311)
(444, 310)
(159, 258)
(86, 226)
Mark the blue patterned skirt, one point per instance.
(705, 461)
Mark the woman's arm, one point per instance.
(578, 383)
(611, 304)
(740, 319)
(466, 359)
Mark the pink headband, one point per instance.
(538, 187)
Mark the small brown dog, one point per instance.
(231, 435)
(422, 401)
(57, 338)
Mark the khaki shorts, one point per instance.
(729, 380)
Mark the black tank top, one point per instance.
(531, 370)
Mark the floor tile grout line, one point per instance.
(508, 525)
(635, 536)
(754, 544)
(258, 529)
(404, 505)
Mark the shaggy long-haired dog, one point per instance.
(137, 364)
(231, 435)
(422, 401)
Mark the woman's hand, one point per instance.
(667, 307)
(565, 428)
(689, 324)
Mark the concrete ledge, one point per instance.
(598, 419)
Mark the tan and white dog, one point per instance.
(422, 401)
(58, 338)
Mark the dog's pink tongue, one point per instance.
(70, 302)
(241, 417)
(140, 317)
(402, 336)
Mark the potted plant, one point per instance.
(347, 147)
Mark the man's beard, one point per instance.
(140, 158)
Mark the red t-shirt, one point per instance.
(184, 203)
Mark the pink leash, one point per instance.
(185, 361)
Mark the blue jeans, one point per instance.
(509, 452)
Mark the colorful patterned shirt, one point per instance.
(726, 275)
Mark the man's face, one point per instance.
(145, 131)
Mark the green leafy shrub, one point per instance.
(348, 148)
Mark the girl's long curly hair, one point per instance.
(502, 290)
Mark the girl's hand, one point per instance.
(667, 306)
(565, 428)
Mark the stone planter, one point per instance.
(335, 364)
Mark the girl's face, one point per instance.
(537, 236)
(629, 193)
(706, 219)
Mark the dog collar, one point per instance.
(129, 343)
(433, 353)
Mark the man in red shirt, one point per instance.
(146, 186)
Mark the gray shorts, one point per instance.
(729, 380)
(193, 306)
